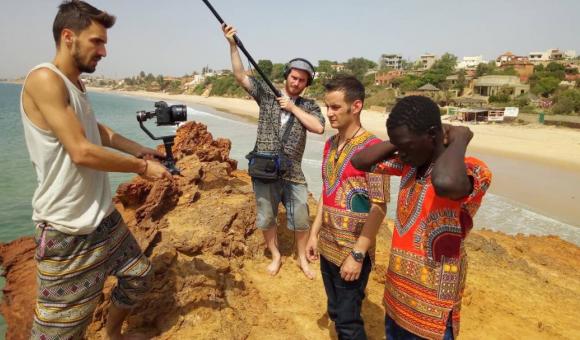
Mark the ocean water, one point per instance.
(18, 180)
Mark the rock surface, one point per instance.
(211, 283)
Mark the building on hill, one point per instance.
(552, 54)
(385, 78)
(338, 67)
(393, 61)
(509, 57)
(427, 60)
(523, 67)
(470, 62)
(495, 84)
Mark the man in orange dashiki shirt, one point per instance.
(350, 211)
(440, 193)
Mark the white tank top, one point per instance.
(71, 198)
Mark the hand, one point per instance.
(312, 249)
(452, 133)
(350, 269)
(229, 32)
(155, 171)
(149, 154)
(286, 103)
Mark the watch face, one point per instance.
(359, 257)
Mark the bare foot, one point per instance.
(275, 265)
(305, 266)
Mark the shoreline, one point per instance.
(516, 153)
(488, 138)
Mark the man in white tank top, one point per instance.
(80, 236)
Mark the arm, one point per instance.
(310, 121)
(49, 94)
(312, 245)
(449, 175)
(366, 158)
(350, 269)
(237, 65)
(111, 139)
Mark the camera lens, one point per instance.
(178, 113)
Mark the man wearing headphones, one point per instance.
(274, 118)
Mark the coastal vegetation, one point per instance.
(549, 92)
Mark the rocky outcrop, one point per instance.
(17, 259)
(210, 283)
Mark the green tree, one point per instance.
(546, 86)
(408, 82)
(266, 66)
(149, 78)
(485, 69)
(555, 67)
(142, 74)
(277, 73)
(325, 66)
(359, 67)
(440, 70)
(503, 96)
(160, 81)
(460, 85)
(567, 102)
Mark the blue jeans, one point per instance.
(396, 332)
(294, 196)
(345, 299)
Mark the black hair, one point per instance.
(78, 15)
(417, 113)
(353, 89)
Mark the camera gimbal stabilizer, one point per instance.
(166, 115)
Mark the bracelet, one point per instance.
(145, 170)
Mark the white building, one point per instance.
(570, 54)
(471, 62)
(394, 61)
(548, 55)
(427, 60)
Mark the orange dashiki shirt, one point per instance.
(428, 264)
(347, 195)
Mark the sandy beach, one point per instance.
(525, 158)
(553, 145)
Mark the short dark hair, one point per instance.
(417, 113)
(353, 89)
(78, 15)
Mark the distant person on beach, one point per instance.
(299, 115)
(80, 236)
(441, 190)
(350, 211)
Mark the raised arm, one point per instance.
(237, 65)
(310, 120)
(48, 92)
(366, 158)
(449, 175)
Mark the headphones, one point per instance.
(288, 67)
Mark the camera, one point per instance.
(165, 114)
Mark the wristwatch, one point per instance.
(358, 256)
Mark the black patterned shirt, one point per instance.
(269, 131)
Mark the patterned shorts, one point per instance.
(72, 270)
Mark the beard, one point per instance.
(80, 64)
(293, 91)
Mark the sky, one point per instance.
(177, 37)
